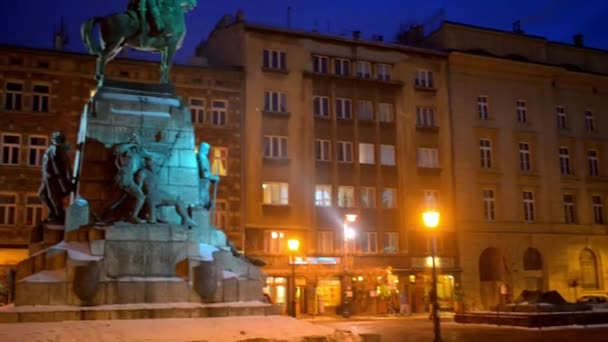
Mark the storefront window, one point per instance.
(328, 291)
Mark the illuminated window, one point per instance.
(524, 156)
(385, 112)
(274, 59)
(424, 78)
(485, 153)
(345, 152)
(274, 242)
(33, 210)
(13, 96)
(598, 209)
(369, 242)
(323, 195)
(325, 242)
(589, 121)
(383, 72)
(425, 117)
(391, 242)
(368, 197)
(219, 112)
(36, 148)
(219, 161)
(343, 109)
(482, 107)
(346, 196)
(522, 111)
(389, 198)
(221, 214)
(320, 106)
(342, 67)
(564, 161)
(276, 193)
(275, 101)
(561, 117)
(593, 163)
(489, 204)
(528, 200)
(322, 150)
(275, 147)
(11, 148)
(428, 157)
(320, 64)
(8, 203)
(366, 153)
(569, 209)
(364, 69)
(387, 155)
(197, 111)
(366, 111)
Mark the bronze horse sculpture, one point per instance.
(134, 28)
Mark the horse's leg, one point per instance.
(166, 61)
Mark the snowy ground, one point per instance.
(223, 329)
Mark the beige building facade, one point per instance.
(336, 126)
(530, 144)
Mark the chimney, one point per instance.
(60, 39)
(240, 16)
(577, 40)
(356, 35)
(377, 37)
(517, 27)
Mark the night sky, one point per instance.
(32, 22)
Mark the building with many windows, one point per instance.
(335, 126)
(43, 90)
(530, 141)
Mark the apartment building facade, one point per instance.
(530, 144)
(45, 90)
(336, 126)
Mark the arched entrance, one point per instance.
(493, 273)
(533, 270)
(589, 274)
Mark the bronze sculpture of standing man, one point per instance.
(56, 178)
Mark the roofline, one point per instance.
(341, 39)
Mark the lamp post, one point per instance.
(431, 221)
(293, 246)
(349, 234)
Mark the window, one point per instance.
(275, 146)
(219, 112)
(389, 198)
(387, 155)
(368, 197)
(431, 199)
(369, 242)
(342, 67)
(13, 96)
(8, 203)
(383, 72)
(589, 276)
(425, 117)
(323, 195)
(320, 64)
(275, 101)
(482, 107)
(322, 150)
(274, 242)
(274, 59)
(424, 78)
(428, 157)
(33, 210)
(385, 112)
(276, 193)
(321, 105)
(197, 111)
(345, 152)
(598, 209)
(40, 98)
(36, 148)
(564, 161)
(366, 153)
(364, 69)
(221, 214)
(521, 110)
(219, 161)
(561, 117)
(569, 209)
(593, 163)
(524, 156)
(589, 121)
(366, 111)
(489, 204)
(485, 152)
(346, 196)
(325, 242)
(343, 109)
(11, 145)
(528, 200)
(391, 242)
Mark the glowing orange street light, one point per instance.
(293, 245)
(431, 221)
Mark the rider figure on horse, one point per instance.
(153, 27)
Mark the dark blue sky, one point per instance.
(31, 22)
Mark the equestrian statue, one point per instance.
(147, 25)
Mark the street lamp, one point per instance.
(349, 234)
(293, 246)
(431, 221)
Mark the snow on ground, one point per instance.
(221, 329)
(132, 306)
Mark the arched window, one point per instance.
(532, 260)
(490, 265)
(589, 279)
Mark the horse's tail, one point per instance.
(86, 31)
